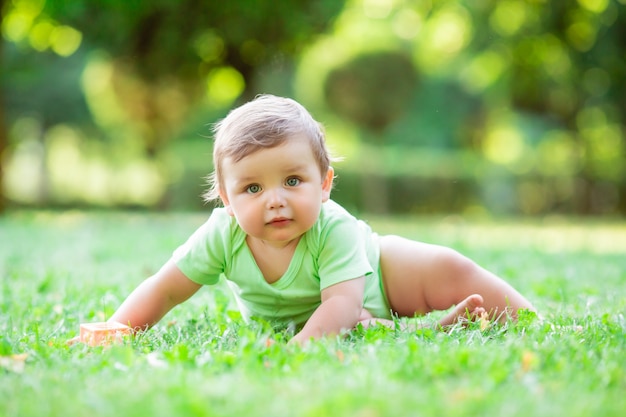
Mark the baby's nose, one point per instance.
(275, 198)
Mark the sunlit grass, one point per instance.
(61, 269)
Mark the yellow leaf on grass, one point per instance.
(484, 321)
(529, 361)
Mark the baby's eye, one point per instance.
(253, 189)
(292, 182)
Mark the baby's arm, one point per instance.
(154, 297)
(341, 308)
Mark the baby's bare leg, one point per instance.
(420, 278)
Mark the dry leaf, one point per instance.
(484, 321)
(529, 360)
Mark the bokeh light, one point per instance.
(224, 85)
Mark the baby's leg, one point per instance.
(419, 278)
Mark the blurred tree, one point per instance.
(29, 96)
(536, 87)
(533, 89)
(162, 44)
(372, 90)
(144, 66)
(561, 65)
(3, 129)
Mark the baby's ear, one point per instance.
(227, 206)
(327, 184)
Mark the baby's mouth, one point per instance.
(279, 221)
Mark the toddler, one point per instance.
(292, 255)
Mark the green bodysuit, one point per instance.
(337, 248)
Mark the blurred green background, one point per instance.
(505, 107)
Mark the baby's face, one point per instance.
(276, 193)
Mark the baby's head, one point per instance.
(265, 122)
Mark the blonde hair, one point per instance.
(265, 122)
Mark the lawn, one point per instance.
(58, 270)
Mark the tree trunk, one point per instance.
(4, 140)
(374, 186)
(3, 147)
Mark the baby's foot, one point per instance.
(470, 309)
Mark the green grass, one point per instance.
(60, 269)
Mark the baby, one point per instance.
(292, 255)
